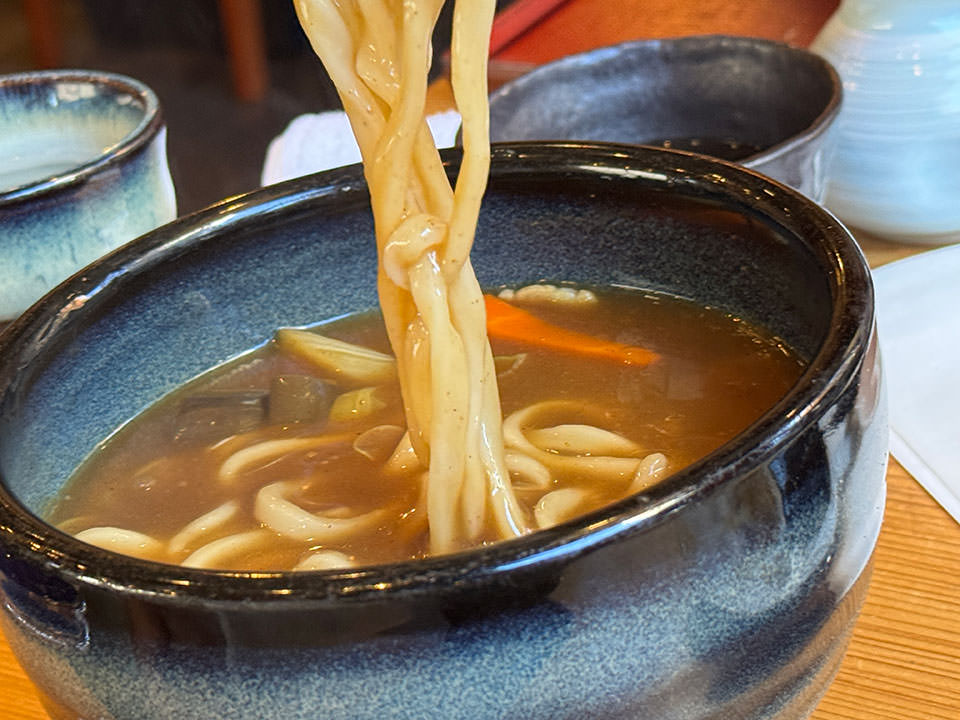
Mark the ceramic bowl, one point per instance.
(760, 103)
(83, 169)
(727, 591)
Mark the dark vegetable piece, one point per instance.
(298, 398)
(213, 415)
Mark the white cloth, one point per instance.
(315, 142)
(918, 317)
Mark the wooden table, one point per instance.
(904, 659)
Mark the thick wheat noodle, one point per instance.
(532, 474)
(210, 521)
(217, 553)
(325, 560)
(468, 76)
(121, 540)
(614, 467)
(431, 301)
(271, 450)
(274, 510)
(558, 505)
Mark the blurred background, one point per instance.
(218, 129)
(231, 74)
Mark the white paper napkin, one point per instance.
(315, 142)
(918, 316)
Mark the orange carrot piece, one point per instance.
(508, 322)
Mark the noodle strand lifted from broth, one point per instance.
(378, 55)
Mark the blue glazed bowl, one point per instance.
(766, 105)
(727, 591)
(83, 169)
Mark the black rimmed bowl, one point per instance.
(764, 104)
(728, 591)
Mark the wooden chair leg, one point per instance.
(243, 30)
(43, 24)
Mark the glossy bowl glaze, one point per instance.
(727, 591)
(897, 163)
(766, 105)
(83, 169)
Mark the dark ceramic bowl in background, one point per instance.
(764, 104)
(727, 591)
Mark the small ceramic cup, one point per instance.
(83, 169)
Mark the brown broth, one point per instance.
(716, 376)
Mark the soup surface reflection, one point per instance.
(320, 454)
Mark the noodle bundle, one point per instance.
(378, 55)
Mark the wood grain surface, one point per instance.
(903, 662)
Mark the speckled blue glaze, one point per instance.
(83, 170)
(779, 99)
(728, 591)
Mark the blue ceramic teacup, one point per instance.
(83, 170)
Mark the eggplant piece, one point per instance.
(298, 398)
(213, 415)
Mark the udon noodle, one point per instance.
(378, 56)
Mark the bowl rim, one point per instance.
(816, 127)
(25, 536)
(139, 136)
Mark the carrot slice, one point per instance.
(508, 322)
